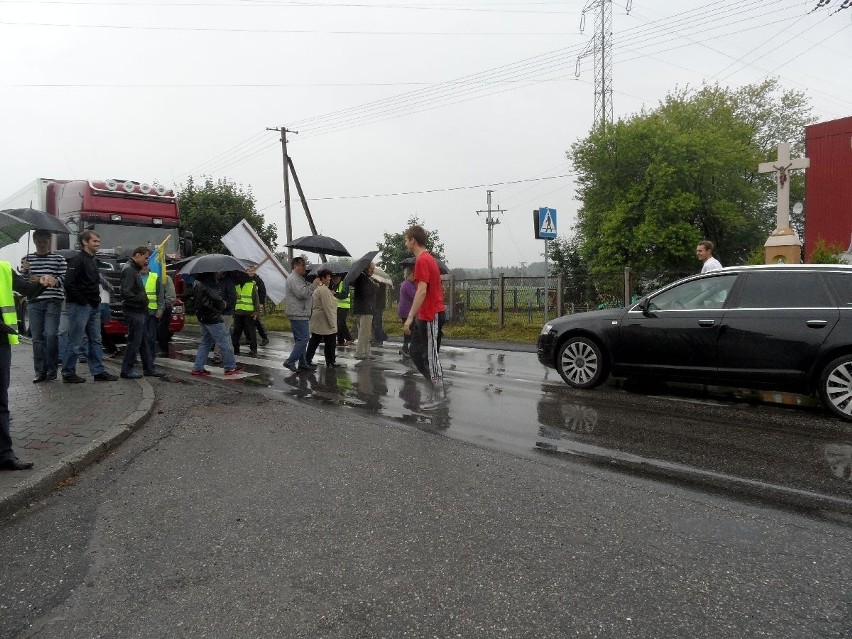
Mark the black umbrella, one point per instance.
(358, 267)
(319, 244)
(409, 261)
(12, 228)
(40, 220)
(212, 263)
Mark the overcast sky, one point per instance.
(388, 97)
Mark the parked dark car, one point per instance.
(784, 327)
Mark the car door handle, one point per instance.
(817, 323)
(706, 322)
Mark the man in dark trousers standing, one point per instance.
(8, 336)
(83, 308)
(134, 302)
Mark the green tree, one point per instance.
(826, 253)
(655, 184)
(214, 208)
(394, 251)
(566, 260)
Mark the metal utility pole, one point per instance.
(288, 219)
(490, 222)
(600, 48)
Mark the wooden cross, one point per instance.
(781, 166)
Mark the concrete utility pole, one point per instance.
(490, 222)
(288, 219)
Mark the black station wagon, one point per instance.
(784, 327)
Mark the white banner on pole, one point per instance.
(244, 243)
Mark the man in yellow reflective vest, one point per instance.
(155, 292)
(344, 303)
(246, 311)
(10, 280)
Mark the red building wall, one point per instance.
(828, 184)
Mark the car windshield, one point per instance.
(124, 238)
(703, 293)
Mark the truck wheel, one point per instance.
(835, 387)
(581, 364)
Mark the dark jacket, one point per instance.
(208, 301)
(228, 293)
(366, 289)
(134, 298)
(261, 289)
(81, 280)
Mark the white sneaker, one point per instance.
(433, 404)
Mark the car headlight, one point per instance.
(546, 329)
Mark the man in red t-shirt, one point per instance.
(422, 321)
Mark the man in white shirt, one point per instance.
(704, 252)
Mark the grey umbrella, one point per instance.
(212, 263)
(409, 261)
(319, 244)
(40, 220)
(12, 228)
(358, 267)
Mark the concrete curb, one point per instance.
(46, 481)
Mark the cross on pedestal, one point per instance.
(783, 165)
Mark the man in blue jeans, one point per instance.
(45, 310)
(209, 305)
(82, 306)
(298, 308)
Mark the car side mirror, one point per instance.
(645, 306)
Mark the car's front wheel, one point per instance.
(581, 364)
(835, 387)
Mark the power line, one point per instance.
(140, 27)
(443, 190)
(527, 71)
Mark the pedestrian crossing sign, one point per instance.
(544, 220)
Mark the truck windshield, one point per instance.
(124, 238)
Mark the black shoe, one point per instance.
(155, 374)
(38, 379)
(105, 377)
(333, 365)
(15, 464)
(311, 366)
(51, 377)
(73, 379)
(290, 366)
(131, 375)
(264, 342)
(252, 353)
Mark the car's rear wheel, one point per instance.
(581, 364)
(835, 387)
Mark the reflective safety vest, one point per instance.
(151, 291)
(7, 301)
(347, 301)
(245, 299)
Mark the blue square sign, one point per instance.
(545, 223)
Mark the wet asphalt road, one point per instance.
(325, 505)
(744, 444)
